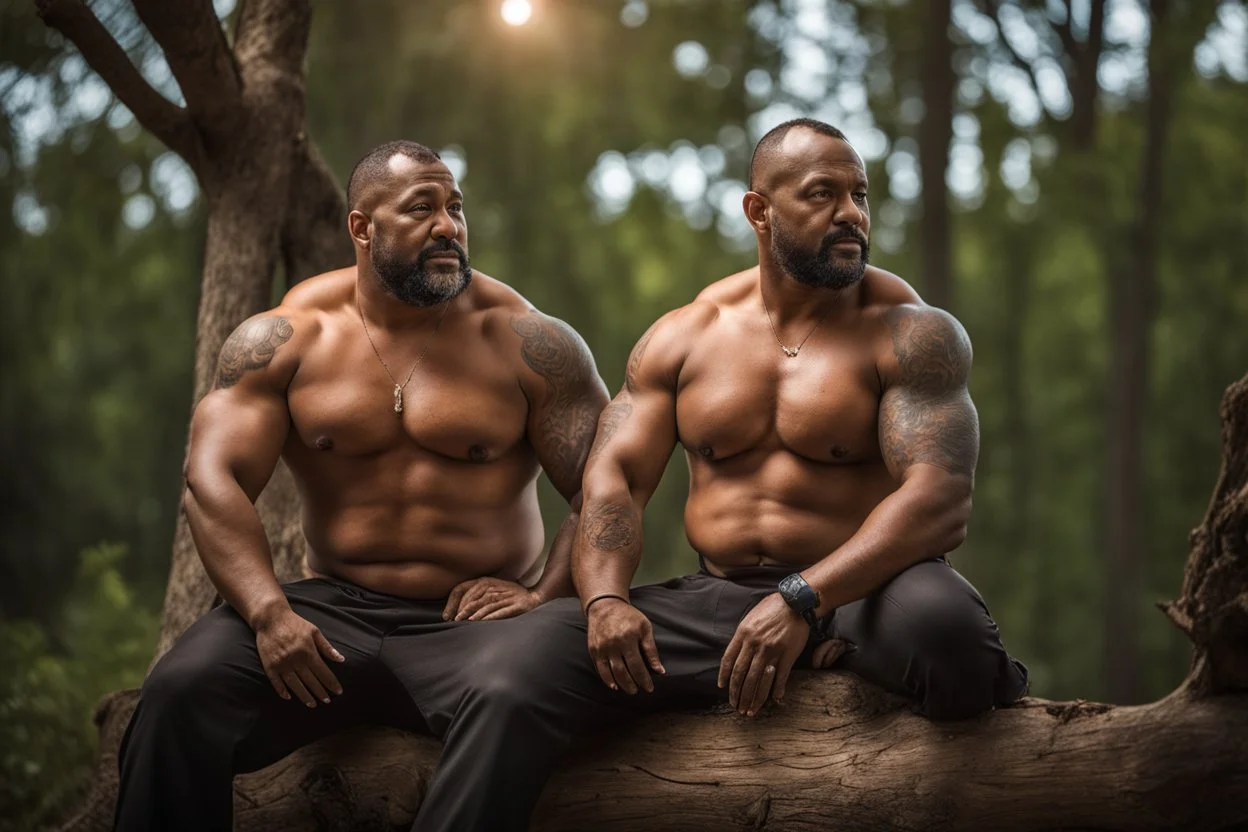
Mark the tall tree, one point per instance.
(272, 205)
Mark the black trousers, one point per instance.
(507, 697)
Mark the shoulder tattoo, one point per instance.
(554, 351)
(634, 358)
(251, 347)
(927, 415)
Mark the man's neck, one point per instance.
(384, 311)
(790, 301)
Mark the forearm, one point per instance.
(912, 524)
(556, 580)
(235, 551)
(608, 544)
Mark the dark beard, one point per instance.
(411, 282)
(820, 269)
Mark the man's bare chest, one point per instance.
(466, 407)
(821, 405)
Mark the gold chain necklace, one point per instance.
(398, 388)
(791, 352)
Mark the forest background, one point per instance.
(1069, 178)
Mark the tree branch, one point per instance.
(160, 116)
(198, 55)
(274, 33)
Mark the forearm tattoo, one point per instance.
(566, 427)
(927, 415)
(251, 347)
(610, 527)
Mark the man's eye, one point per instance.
(418, 207)
(456, 208)
(821, 194)
(860, 197)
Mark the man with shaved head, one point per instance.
(831, 441)
(415, 400)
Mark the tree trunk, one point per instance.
(935, 133)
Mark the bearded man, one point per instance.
(415, 401)
(831, 440)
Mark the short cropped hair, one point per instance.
(374, 166)
(770, 142)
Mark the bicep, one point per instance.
(635, 439)
(924, 427)
(564, 412)
(237, 434)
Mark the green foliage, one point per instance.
(52, 682)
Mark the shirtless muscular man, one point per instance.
(414, 400)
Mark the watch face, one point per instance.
(790, 587)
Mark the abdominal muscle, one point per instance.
(779, 512)
(421, 540)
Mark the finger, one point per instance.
(604, 673)
(739, 670)
(766, 678)
(782, 681)
(296, 687)
(472, 599)
(277, 683)
(826, 654)
(652, 651)
(325, 676)
(326, 649)
(749, 682)
(313, 684)
(452, 602)
(729, 661)
(619, 672)
(637, 669)
(497, 609)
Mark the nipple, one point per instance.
(706, 451)
(324, 443)
(478, 453)
(838, 451)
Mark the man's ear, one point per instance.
(360, 227)
(755, 206)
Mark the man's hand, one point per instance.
(762, 652)
(290, 650)
(619, 635)
(483, 599)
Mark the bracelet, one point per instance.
(598, 598)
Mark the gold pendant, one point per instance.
(791, 352)
(398, 400)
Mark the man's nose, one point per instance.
(848, 212)
(444, 227)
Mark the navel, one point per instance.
(324, 443)
(478, 453)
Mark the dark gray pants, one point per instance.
(926, 635)
(507, 697)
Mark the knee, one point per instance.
(956, 658)
(177, 684)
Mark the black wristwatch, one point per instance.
(800, 597)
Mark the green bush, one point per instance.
(52, 681)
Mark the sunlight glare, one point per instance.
(516, 12)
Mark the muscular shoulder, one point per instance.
(927, 349)
(660, 353)
(263, 351)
